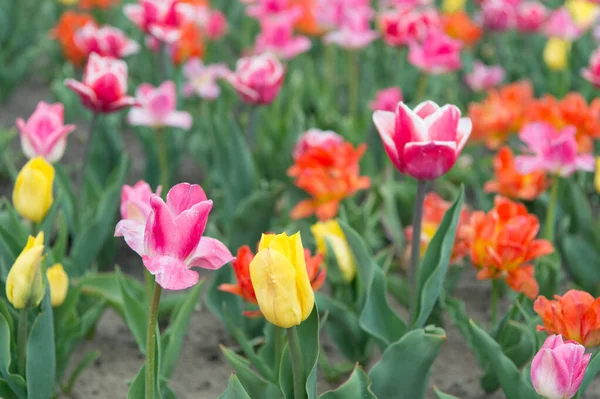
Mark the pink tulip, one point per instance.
(104, 85)
(258, 79)
(212, 22)
(158, 18)
(202, 79)
(531, 15)
(316, 138)
(560, 24)
(498, 15)
(157, 107)
(401, 26)
(592, 72)
(45, 133)
(426, 142)
(216, 26)
(277, 36)
(484, 77)
(438, 54)
(171, 240)
(552, 151)
(106, 41)
(135, 201)
(386, 99)
(355, 31)
(557, 370)
(268, 8)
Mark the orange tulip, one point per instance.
(500, 114)
(460, 26)
(307, 23)
(64, 33)
(189, 45)
(102, 4)
(504, 242)
(510, 183)
(434, 208)
(196, 2)
(575, 316)
(329, 174)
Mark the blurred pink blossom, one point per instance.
(484, 77)
(560, 24)
(261, 9)
(212, 22)
(135, 201)
(438, 54)
(531, 15)
(316, 138)
(355, 31)
(157, 107)
(592, 72)
(202, 79)
(217, 26)
(277, 36)
(386, 99)
(158, 18)
(258, 79)
(106, 41)
(498, 15)
(402, 25)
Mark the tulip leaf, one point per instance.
(591, 372)
(14, 381)
(513, 385)
(235, 390)
(404, 369)
(137, 389)
(579, 254)
(358, 386)
(434, 265)
(376, 317)
(254, 384)
(442, 395)
(135, 314)
(5, 391)
(41, 354)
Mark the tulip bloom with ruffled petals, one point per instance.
(157, 107)
(104, 85)
(277, 36)
(386, 99)
(552, 151)
(316, 138)
(557, 370)
(171, 240)
(592, 72)
(426, 142)
(258, 79)
(45, 134)
(437, 54)
(484, 77)
(106, 41)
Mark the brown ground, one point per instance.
(202, 372)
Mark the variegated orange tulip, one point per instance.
(64, 33)
(510, 183)
(575, 316)
(329, 174)
(504, 243)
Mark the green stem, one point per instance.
(353, 83)
(415, 251)
(495, 294)
(22, 341)
(297, 363)
(421, 88)
(162, 159)
(35, 228)
(330, 71)
(149, 285)
(87, 153)
(151, 344)
(279, 343)
(550, 212)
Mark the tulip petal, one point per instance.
(385, 122)
(140, 117)
(161, 235)
(85, 92)
(190, 227)
(443, 123)
(180, 119)
(426, 108)
(465, 127)
(170, 272)
(549, 375)
(428, 161)
(133, 233)
(409, 127)
(210, 254)
(183, 196)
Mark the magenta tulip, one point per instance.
(277, 36)
(592, 72)
(386, 99)
(438, 54)
(258, 79)
(531, 15)
(106, 41)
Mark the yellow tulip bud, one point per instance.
(452, 6)
(597, 176)
(32, 195)
(584, 12)
(24, 284)
(556, 53)
(280, 280)
(59, 284)
(332, 231)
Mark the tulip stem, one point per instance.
(421, 88)
(415, 251)
(162, 61)
(86, 153)
(495, 289)
(162, 158)
(279, 344)
(22, 340)
(297, 363)
(353, 83)
(550, 212)
(151, 344)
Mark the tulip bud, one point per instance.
(556, 53)
(59, 284)
(24, 283)
(558, 368)
(32, 194)
(333, 233)
(280, 280)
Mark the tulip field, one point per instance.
(300, 199)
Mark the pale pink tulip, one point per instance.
(158, 18)
(135, 201)
(531, 15)
(402, 25)
(355, 31)
(498, 15)
(277, 36)
(560, 24)
(592, 72)
(386, 99)
(426, 142)
(157, 107)
(438, 54)
(106, 41)
(552, 151)
(316, 138)
(104, 85)
(484, 77)
(45, 133)
(557, 370)
(171, 241)
(258, 79)
(201, 79)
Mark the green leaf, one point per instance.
(135, 314)
(404, 369)
(508, 374)
(376, 317)
(358, 386)
(434, 265)
(41, 358)
(591, 372)
(580, 257)
(81, 366)
(235, 390)
(442, 395)
(5, 391)
(14, 381)
(137, 389)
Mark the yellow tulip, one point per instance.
(68, 2)
(452, 6)
(597, 176)
(332, 231)
(584, 12)
(59, 284)
(24, 283)
(32, 195)
(280, 280)
(556, 53)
